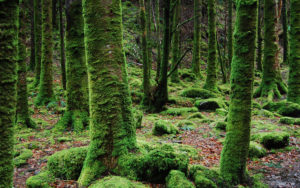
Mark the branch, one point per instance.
(178, 62)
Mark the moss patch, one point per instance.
(198, 93)
(209, 104)
(177, 179)
(256, 150)
(272, 139)
(284, 108)
(116, 182)
(162, 127)
(22, 158)
(42, 180)
(178, 111)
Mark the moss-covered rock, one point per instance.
(67, 164)
(138, 118)
(198, 93)
(42, 180)
(178, 111)
(289, 120)
(162, 127)
(284, 108)
(221, 125)
(22, 158)
(203, 182)
(116, 182)
(256, 150)
(221, 111)
(177, 179)
(272, 139)
(186, 125)
(210, 104)
(197, 115)
(187, 75)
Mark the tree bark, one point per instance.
(197, 39)
(38, 41)
(62, 46)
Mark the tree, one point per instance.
(294, 60)
(22, 112)
(76, 115)
(8, 62)
(285, 32)
(37, 40)
(32, 37)
(62, 46)
(235, 152)
(229, 30)
(271, 85)
(111, 124)
(149, 31)
(259, 38)
(176, 41)
(158, 42)
(197, 39)
(211, 79)
(46, 81)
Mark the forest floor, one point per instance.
(279, 168)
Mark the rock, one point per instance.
(209, 104)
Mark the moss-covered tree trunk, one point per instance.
(294, 74)
(22, 112)
(272, 84)
(8, 62)
(112, 132)
(149, 32)
(76, 115)
(158, 42)
(32, 37)
(235, 152)
(211, 78)
(38, 40)
(46, 78)
(259, 38)
(285, 32)
(62, 46)
(197, 39)
(176, 41)
(229, 33)
(146, 79)
(161, 93)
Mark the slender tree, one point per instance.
(272, 84)
(294, 74)
(8, 62)
(112, 131)
(46, 81)
(259, 38)
(62, 46)
(211, 79)
(197, 39)
(176, 41)
(285, 32)
(235, 152)
(158, 42)
(229, 32)
(22, 112)
(149, 32)
(32, 37)
(76, 115)
(38, 40)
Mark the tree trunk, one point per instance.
(32, 38)
(158, 42)
(176, 41)
(8, 63)
(62, 46)
(211, 79)
(272, 84)
(111, 124)
(285, 33)
(197, 39)
(259, 38)
(46, 81)
(38, 41)
(294, 60)
(22, 112)
(235, 152)
(149, 32)
(229, 35)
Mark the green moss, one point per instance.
(74, 120)
(256, 150)
(116, 182)
(266, 113)
(197, 40)
(256, 105)
(284, 108)
(22, 158)
(178, 111)
(162, 127)
(221, 112)
(206, 177)
(221, 125)
(203, 182)
(187, 75)
(67, 164)
(209, 104)
(37, 40)
(138, 118)
(198, 93)
(272, 139)
(177, 179)
(257, 180)
(42, 180)
(197, 115)
(186, 125)
(287, 120)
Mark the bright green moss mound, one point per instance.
(67, 164)
(272, 139)
(256, 150)
(42, 180)
(284, 108)
(186, 125)
(221, 112)
(289, 120)
(203, 182)
(177, 179)
(198, 93)
(22, 158)
(116, 182)
(197, 115)
(187, 75)
(162, 127)
(210, 104)
(178, 111)
(138, 118)
(221, 125)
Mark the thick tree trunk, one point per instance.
(158, 42)
(259, 38)
(8, 63)
(235, 151)
(46, 78)
(38, 40)
(229, 34)
(62, 46)
(149, 32)
(211, 79)
(294, 60)
(176, 41)
(285, 33)
(197, 39)
(111, 123)
(22, 112)
(272, 84)
(32, 38)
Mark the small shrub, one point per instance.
(177, 179)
